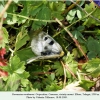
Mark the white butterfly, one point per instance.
(45, 47)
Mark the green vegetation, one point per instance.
(23, 19)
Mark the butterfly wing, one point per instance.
(52, 45)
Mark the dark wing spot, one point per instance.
(45, 38)
(45, 53)
(45, 47)
(51, 43)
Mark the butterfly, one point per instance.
(45, 47)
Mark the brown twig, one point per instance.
(76, 42)
(85, 11)
(5, 8)
(42, 73)
(66, 66)
(2, 13)
(2, 16)
(64, 74)
(71, 7)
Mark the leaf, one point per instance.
(80, 28)
(90, 21)
(24, 12)
(4, 38)
(92, 67)
(76, 34)
(16, 71)
(77, 53)
(52, 87)
(60, 6)
(69, 61)
(13, 21)
(27, 52)
(52, 76)
(43, 14)
(24, 75)
(36, 8)
(89, 7)
(59, 68)
(91, 54)
(79, 14)
(56, 9)
(37, 85)
(71, 15)
(21, 39)
(57, 15)
(86, 84)
(12, 83)
(24, 82)
(57, 6)
(93, 47)
(15, 66)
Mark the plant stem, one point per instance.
(76, 42)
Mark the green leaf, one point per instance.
(16, 71)
(56, 14)
(86, 84)
(52, 87)
(27, 52)
(90, 21)
(80, 28)
(71, 15)
(89, 7)
(20, 70)
(77, 53)
(69, 61)
(52, 76)
(1, 85)
(37, 85)
(24, 75)
(60, 6)
(56, 9)
(77, 33)
(92, 67)
(44, 14)
(24, 12)
(35, 9)
(13, 21)
(24, 82)
(4, 37)
(21, 39)
(13, 83)
(59, 68)
(57, 6)
(15, 66)
(79, 14)
(93, 45)
(91, 54)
